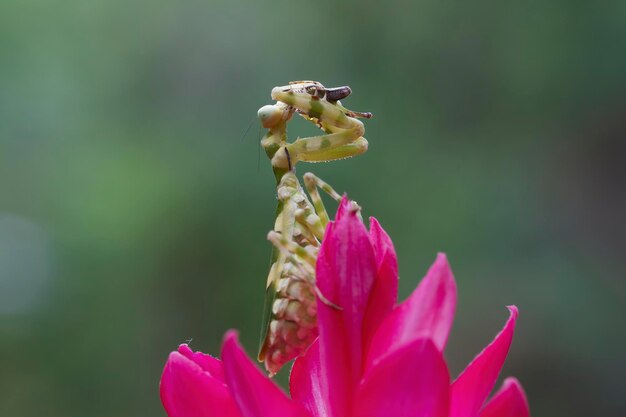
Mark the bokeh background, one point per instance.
(134, 202)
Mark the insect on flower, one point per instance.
(290, 316)
(373, 358)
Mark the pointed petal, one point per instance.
(383, 246)
(428, 312)
(509, 401)
(411, 382)
(344, 207)
(346, 269)
(308, 384)
(471, 388)
(207, 362)
(188, 390)
(385, 291)
(255, 394)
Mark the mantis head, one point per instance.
(300, 94)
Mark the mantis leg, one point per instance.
(284, 226)
(344, 136)
(286, 245)
(337, 145)
(294, 254)
(312, 183)
(312, 217)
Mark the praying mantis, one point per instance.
(290, 316)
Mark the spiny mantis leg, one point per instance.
(328, 147)
(284, 224)
(344, 136)
(291, 250)
(291, 247)
(312, 183)
(314, 219)
(339, 143)
(330, 151)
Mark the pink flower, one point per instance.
(372, 358)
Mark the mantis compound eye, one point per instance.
(270, 115)
(316, 90)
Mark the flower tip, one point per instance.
(184, 349)
(231, 336)
(230, 343)
(442, 263)
(441, 268)
(442, 257)
(512, 382)
(510, 400)
(170, 358)
(513, 310)
(344, 205)
(347, 207)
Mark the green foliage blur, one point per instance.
(134, 206)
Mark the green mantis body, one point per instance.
(290, 316)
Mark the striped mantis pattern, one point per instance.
(290, 316)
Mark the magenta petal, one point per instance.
(384, 294)
(509, 401)
(411, 382)
(255, 394)
(382, 244)
(344, 207)
(471, 388)
(188, 390)
(427, 313)
(308, 384)
(346, 270)
(207, 362)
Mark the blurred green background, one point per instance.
(134, 206)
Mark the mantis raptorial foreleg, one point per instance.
(332, 146)
(344, 136)
(331, 153)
